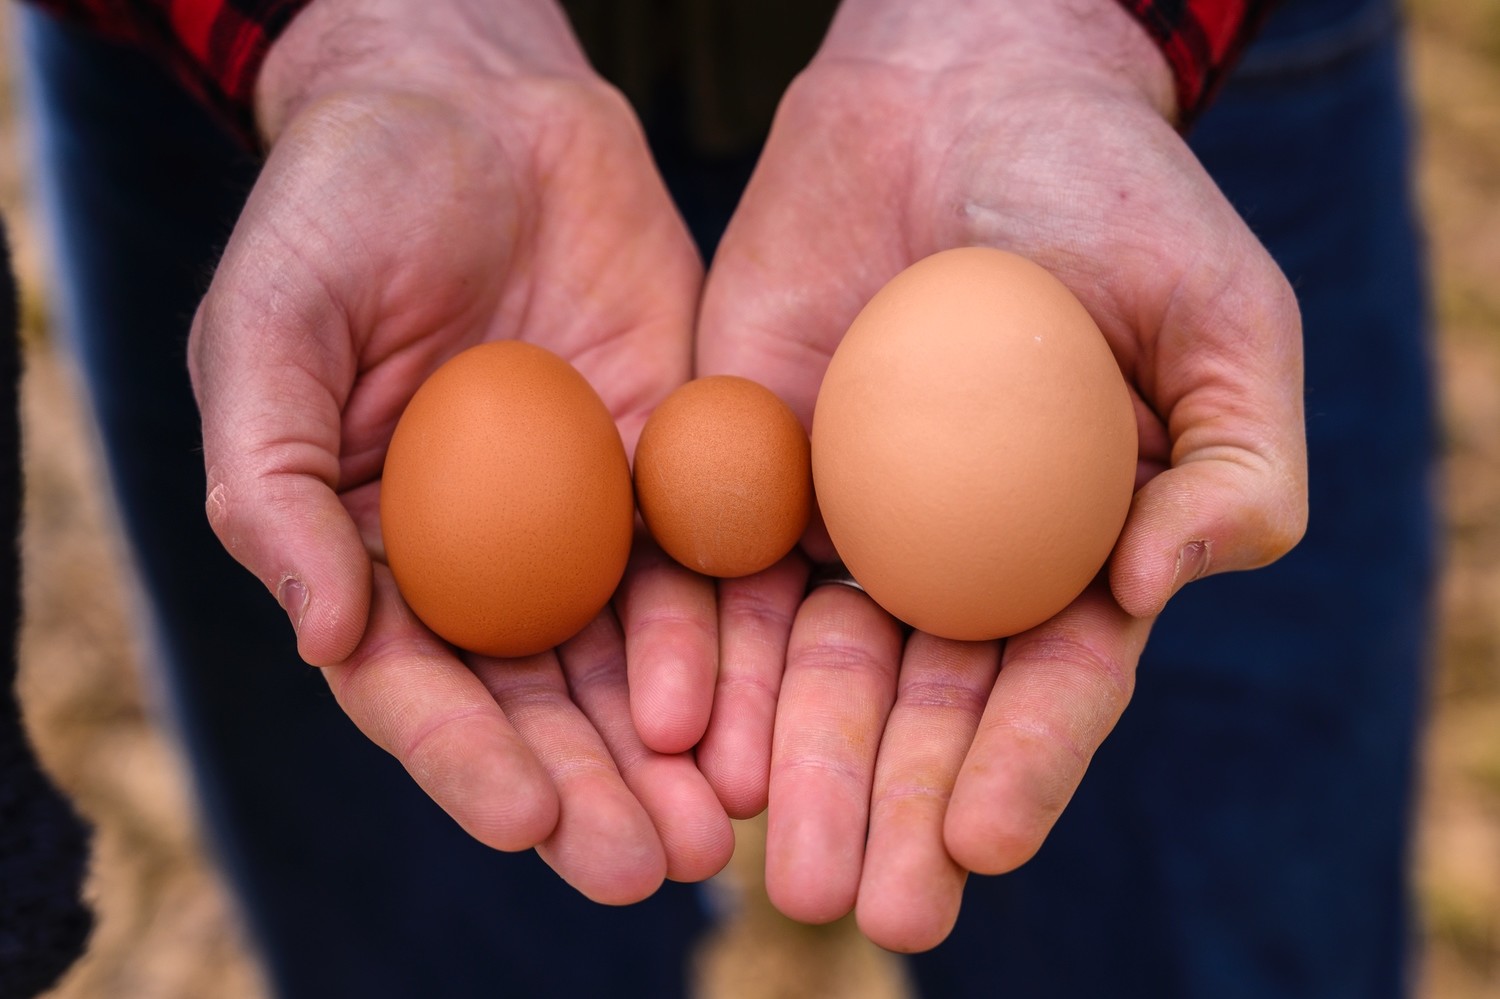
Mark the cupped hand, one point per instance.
(899, 765)
(438, 177)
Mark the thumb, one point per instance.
(1229, 385)
(269, 391)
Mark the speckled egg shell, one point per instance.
(505, 502)
(723, 477)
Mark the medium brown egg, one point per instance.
(505, 502)
(974, 446)
(722, 476)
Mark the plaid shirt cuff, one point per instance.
(1202, 40)
(215, 47)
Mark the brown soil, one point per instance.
(168, 931)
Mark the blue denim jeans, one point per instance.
(1244, 832)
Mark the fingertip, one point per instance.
(487, 780)
(908, 929)
(808, 878)
(329, 625)
(669, 705)
(293, 533)
(740, 785)
(814, 909)
(911, 889)
(517, 813)
(984, 842)
(699, 854)
(1205, 516)
(1143, 582)
(1008, 795)
(605, 846)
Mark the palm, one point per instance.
(598, 271)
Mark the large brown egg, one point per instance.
(722, 476)
(974, 446)
(505, 504)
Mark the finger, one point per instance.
(411, 696)
(604, 844)
(839, 685)
(910, 890)
(671, 647)
(271, 418)
(1060, 691)
(1229, 379)
(694, 831)
(755, 621)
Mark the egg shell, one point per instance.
(505, 502)
(974, 446)
(723, 476)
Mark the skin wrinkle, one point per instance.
(522, 692)
(675, 620)
(413, 753)
(946, 695)
(739, 682)
(1076, 654)
(802, 768)
(896, 794)
(753, 612)
(216, 506)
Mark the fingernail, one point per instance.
(1192, 563)
(292, 595)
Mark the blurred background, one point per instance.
(167, 930)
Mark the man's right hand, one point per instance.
(440, 175)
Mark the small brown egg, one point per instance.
(722, 476)
(505, 502)
(974, 446)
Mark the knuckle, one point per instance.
(747, 610)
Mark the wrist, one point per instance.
(1095, 43)
(447, 48)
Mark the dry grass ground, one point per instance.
(167, 930)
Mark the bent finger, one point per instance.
(603, 844)
(270, 409)
(409, 694)
(1228, 381)
(755, 623)
(694, 831)
(671, 647)
(1061, 688)
(910, 891)
(839, 685)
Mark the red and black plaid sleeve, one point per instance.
(1202, 39)
(215, 46)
